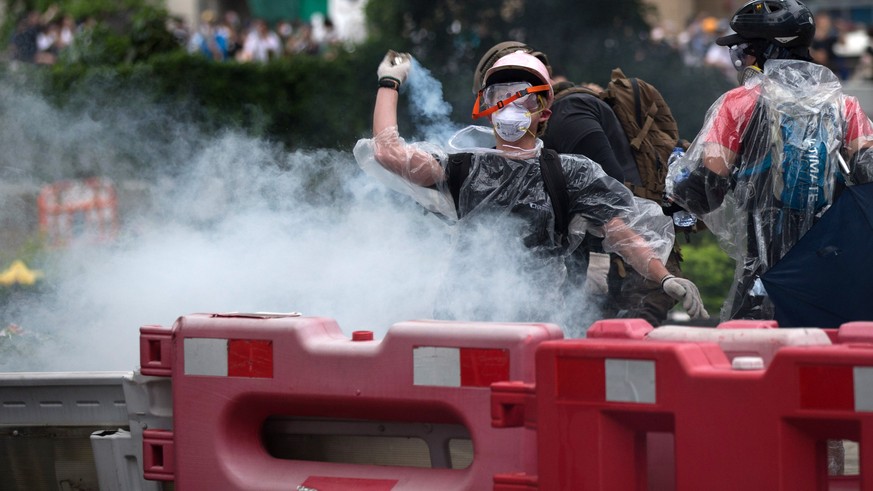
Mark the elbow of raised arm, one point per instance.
(397, 160)
(383, 156)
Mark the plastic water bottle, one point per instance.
(684, 218)
(675, 175)
(677, 152)
(681, 218)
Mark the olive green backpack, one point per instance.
(648, 124)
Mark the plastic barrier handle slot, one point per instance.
(156, 350)
(511, 404)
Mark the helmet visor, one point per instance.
(497, 93)
(496, 96)
(739, 53)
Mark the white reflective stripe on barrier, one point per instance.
(436, 366)
(206, 357)
(863, 388)
(228, 357)
(630, 380)
(459, 367)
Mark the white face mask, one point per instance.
(511, 122)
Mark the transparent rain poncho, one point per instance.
(770, 159)
(508, 262)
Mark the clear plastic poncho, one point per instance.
(770, 159)
(508, 261)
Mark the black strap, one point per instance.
(459, 168)
(555, 183)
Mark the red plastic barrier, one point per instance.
(232, 374)
(599, 403)
(855, 332)
(79, 208)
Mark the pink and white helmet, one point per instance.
(519, 66)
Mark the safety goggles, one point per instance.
(497, 96)
(738, 55)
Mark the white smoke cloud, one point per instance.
(221, 223)
(225, 223)
(428, 109)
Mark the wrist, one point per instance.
(389, 83)
(665, 278)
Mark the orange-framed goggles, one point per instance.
(497, 96)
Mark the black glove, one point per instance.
(702, 191)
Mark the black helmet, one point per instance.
(784, 23)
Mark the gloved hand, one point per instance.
(395, 66)
(702, 192)
(686, 292)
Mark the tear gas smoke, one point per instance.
(429, 111)
(217, 223)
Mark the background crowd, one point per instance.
(227, 37)
(41, 37)
(844, 46)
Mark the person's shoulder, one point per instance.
(573, 96)
(742, 95)
(575, 162)
(742, 90)
(579, 102)
(853, 105)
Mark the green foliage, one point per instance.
(709, 268)
(31, 251)
(304, 102)
(122, 36)
(149, 35)
(385, 23)
(97, 45)
(115, 31)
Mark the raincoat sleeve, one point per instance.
(698, 180)
(859, 142)
(414, 169)
(634, 228)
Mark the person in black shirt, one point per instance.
(583, 124)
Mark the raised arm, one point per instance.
(410, 163)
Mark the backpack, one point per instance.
(648, 124)
(785, 155)
(554, 181)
